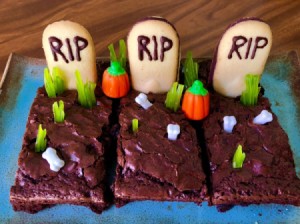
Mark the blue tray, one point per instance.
(24, 76)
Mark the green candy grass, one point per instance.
(135, 125)
(41, 141)
(174, 96)
(112, 53)
(58, 111)
(250, 95)
(122, 53)
(86, 92)
(238, 158)
(190, 70)
(54, 84)
(58, 81)
(49, 84)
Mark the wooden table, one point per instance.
(199, 23)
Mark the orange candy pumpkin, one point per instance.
(195, 104)
(115, 81)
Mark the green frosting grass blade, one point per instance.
(89, 90)
(41, 141)
(250, 95)
(80, 88)
(190, 70)
(122, 53)
(174, 97)
(58, 111)
(238, 157)
(86, 92)
(58, 82)
(49, 85)
(135, 125)
(112, 53)
(54, 84)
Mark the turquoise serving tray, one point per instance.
(281, 81)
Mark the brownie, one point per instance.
(149, 165)
(81, 141)
(268, 173)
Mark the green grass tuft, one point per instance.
(86, 92)
(174, 96)
(54, 84)
(190, 70)
(250, 95)
(41, 141)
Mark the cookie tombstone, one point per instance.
(243, 49)
(153, 53)
(70, 47)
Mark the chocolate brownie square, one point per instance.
(268, 173)
(152, 167)
(81, 141)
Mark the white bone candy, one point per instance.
(173, 131)
(153, 54)
(228, 123)
(142, 100)
(243, 49)
(55, 162)
(70, 47)
(263, 118)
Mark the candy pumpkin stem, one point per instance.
(115, 69)
(198, 89)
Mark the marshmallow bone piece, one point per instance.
(173, 131)
(55, 162)
(229, 123)
(142, 100)
(263, 118)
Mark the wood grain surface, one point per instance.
(199, 23)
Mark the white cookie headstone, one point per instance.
(243, 49)
(70, 47)
(153, 53)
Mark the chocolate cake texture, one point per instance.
(81, 141)
(149, 165)
(268, 173)
(152, 167)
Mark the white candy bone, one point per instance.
(229, 123)
(263, 118)
(173, 131)
(142, 100)
(51, 156)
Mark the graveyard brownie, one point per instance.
(268, 172)
(80, 141)
(150, 166)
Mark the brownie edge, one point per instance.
(81, 141)
(268, 173)
(151, 167)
